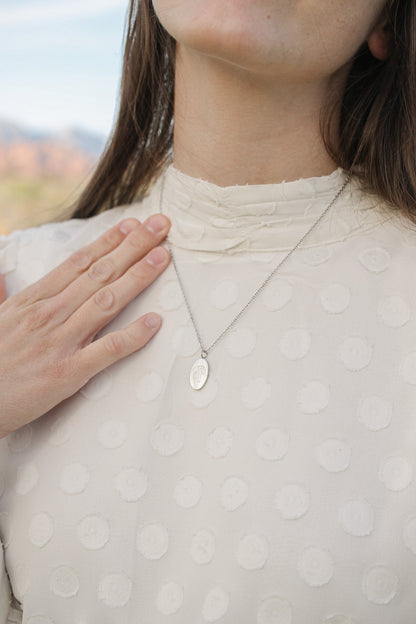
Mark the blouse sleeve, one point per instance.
(8, 262)
(8, 253)
(9, 246)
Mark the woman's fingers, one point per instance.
(76, 264)
(107, 269)
(104, 305)
(116, 345)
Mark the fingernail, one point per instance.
(128, 226)
(157, 224)
(152, 320)
(157, 256)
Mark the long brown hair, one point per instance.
(377, 135)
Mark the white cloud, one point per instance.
(52, 12)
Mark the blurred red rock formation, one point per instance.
(31, 160)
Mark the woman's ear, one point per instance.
(380, 40)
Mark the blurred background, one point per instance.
(59, 73)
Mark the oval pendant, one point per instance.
(199, 374)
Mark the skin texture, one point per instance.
(252, 77)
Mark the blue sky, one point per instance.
(60, 62)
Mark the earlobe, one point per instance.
(380, 42)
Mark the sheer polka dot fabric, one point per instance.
(284, 491)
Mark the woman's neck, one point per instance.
(232, 127)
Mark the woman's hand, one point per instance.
(47, 330)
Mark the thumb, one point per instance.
(3, 295)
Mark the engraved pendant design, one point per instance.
(199, 374)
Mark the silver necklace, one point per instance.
(200, 369)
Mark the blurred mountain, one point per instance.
(72, 152)
(81, 140)
(11, 132)
(42, 174)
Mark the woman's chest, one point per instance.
(283, 491)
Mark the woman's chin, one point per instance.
(233, 50)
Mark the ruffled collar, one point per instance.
(264, 217)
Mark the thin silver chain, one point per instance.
(205, 350)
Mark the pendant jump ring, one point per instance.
(204, 354)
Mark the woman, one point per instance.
(275, 483)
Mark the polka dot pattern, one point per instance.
(112, 434)
(203, 546)
(315, 256)
(40, 619)
(64, 582)
(334, 455)
(313, 397)
(170, 598)
(206, 396)
(357, 518)
(234, 493)
(167, 438)
(394, 311)
(59, 235)
(131, 484)
(114, 590)
(274, 610)
(295, 344)
(74, 478)
(355, 353)
(278, 295)
(335, 298)
(41, 529)
(280, 493)
(252, 552)
(93, 532)
(292, 501)
(27, 478)
(396, 473)
(188, 491)
(315, 566)
(215, 605)
(272, 444)
(256, 393)
(380, 585)
(60, 432)
(20, 439)
(339, 618)
(153, 541)
(375, 413)
(219, 442)
(375, 259)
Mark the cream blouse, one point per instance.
(284, 491)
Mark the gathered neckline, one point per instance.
(261, 217)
